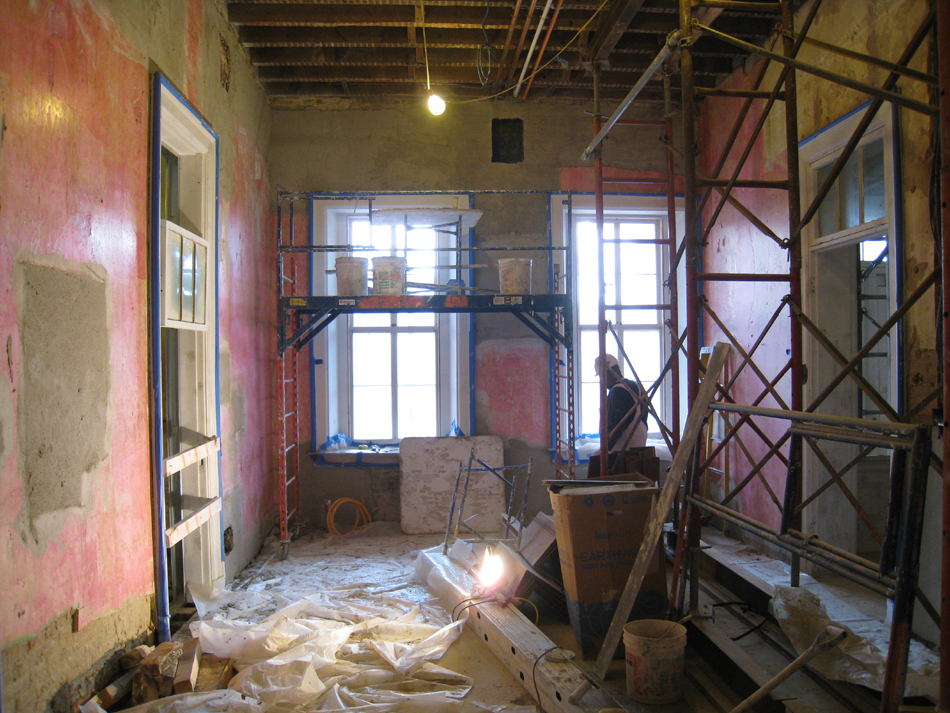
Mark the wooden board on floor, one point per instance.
(532, 657)
(214, 673)
(428, 470)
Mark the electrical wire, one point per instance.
(361, 514)
(539, 69)
(483, 74)
(534, 680)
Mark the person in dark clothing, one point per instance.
(626, 408)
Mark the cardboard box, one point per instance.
(599, 531)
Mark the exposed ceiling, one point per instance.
(319, 52)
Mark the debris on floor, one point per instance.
(315, 634)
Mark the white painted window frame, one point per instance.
(184, 134)
(646, 207)
(331, 358)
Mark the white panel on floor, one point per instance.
(429, 468)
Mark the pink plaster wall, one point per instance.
(248, 305)
(74, 186)
(745, 307)
(73, 181)
(512, 389)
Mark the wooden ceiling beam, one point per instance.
(613, 24)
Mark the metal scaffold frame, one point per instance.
(896, 574)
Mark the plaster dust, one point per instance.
(342, 624)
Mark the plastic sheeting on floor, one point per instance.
(351, 631)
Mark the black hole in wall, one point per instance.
(228, 540)
(507, 141)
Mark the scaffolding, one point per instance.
(303, 315)
(895, 575)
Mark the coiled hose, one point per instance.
(362, 515)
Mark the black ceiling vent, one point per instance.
(507, 141)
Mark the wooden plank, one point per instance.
(131, 658)
(653, 530)
(184, 459)
(116, 691)
(188, 664)
(214, 673)
(181, 529)
(522, 648)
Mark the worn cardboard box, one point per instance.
(599, 530)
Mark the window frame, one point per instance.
(331, 372)
(632, 207)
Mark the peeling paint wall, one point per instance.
(75, 473)
(407, 149)
(880, 29)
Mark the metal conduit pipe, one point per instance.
(671, 42)
(534, 43)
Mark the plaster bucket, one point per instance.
(654, 660)
(351, 275)
(514, 275)
(389, 275)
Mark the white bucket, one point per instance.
(351, 275)
(514, 275)
(389, 275)
(654, 660)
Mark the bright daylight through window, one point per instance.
(395, 356)
(634, 289)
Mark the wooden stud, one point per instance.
(188, 663)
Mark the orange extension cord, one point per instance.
(362, 515)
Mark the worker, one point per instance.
(627, 410)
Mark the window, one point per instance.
(395, 356)
(382, 376)
(634, 277)
(635, 290)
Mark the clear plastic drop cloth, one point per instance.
(860, 658)
(340, 625)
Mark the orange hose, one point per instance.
(362, 514)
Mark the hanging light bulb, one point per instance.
(436, 104)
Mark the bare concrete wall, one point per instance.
(407, 149)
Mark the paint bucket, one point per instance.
(351, 275)
(514, 275)
(389, 275)
(654, 660)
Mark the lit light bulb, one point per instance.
(436, 104)
(491, 570)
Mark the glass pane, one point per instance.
(874, 180)
(417, 411)
(610, 266)
(639, 316)
(373, 319)
(638, 231)
(590, 408)
(187, 280)
(415, 319)
(850, 190)
(173, 277)
(643, 348)
(359, 233)
(201, 296)
(827, 214)
(588, 285)
(372, 413)
(415, 359)
(638, 258)
(372, 360)
(422, 258)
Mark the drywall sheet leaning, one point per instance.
(429, 469)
